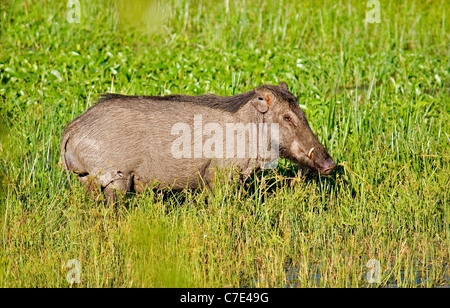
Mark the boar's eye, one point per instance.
(287, 118)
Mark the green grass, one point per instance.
(377, 95)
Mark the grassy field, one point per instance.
(376, 94)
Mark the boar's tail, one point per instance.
(63, 157)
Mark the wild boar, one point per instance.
(124, 143)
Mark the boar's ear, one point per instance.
(284, 86)
(262, 100)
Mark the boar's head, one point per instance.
(297, 141)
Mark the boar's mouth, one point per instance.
(328, 166)
(324, 167)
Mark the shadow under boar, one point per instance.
(124, 143)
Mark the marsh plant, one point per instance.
(375, 94)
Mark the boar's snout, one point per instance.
(317, 158)
(327, 166)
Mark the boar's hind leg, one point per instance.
(118, 186)
(91, 183)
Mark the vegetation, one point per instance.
(376, 94)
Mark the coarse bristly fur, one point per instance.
(124, 143)
(227, 103)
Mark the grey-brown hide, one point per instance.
(124, 143)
